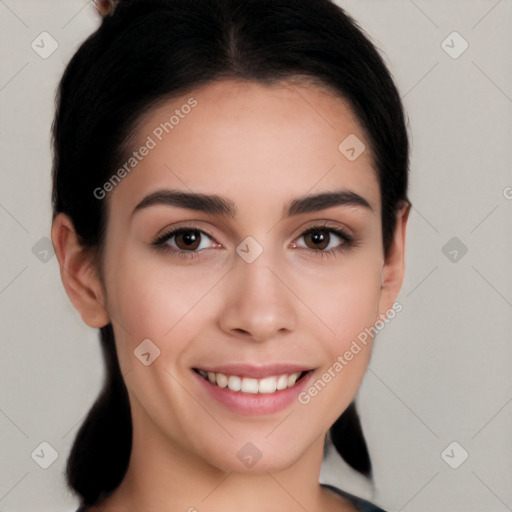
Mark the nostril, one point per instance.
(241, 331)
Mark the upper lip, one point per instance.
(255, 371)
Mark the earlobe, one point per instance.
(393, 271)
(81, 282)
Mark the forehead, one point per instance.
(252, 141)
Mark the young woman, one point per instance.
(230, 208)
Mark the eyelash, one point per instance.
(160, 243)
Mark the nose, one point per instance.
(258, 303)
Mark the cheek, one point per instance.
(348, 312)
(346, 299)
(150, 299)
(344, 296)
(352, 307)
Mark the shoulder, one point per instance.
(361, 504)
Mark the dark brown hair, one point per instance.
(150, 50)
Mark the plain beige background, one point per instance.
(441, 371)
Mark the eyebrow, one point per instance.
(222, 206)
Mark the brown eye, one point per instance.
(319, 238)
(326, 240)
(184, 240)
(188, 240)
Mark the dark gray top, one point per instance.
(360, 504)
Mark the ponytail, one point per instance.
(101, 451)
(348, 439)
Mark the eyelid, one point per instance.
(327, 224)
(341, 231)
(347, 240)
(195, 226)
(184, 225)
(176, 230)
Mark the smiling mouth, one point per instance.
(266, 385)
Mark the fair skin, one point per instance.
(260, 147)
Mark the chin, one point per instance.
(257, 459)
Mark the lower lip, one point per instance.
(255, 403)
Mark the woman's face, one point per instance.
(245, 289)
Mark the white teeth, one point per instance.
(282, 382)
(222, 380)
(292, 379)
(267, 385)
(251, 385)
(234, 383)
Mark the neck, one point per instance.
(163, 476)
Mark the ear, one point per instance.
(393, 271)
(80, 278)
